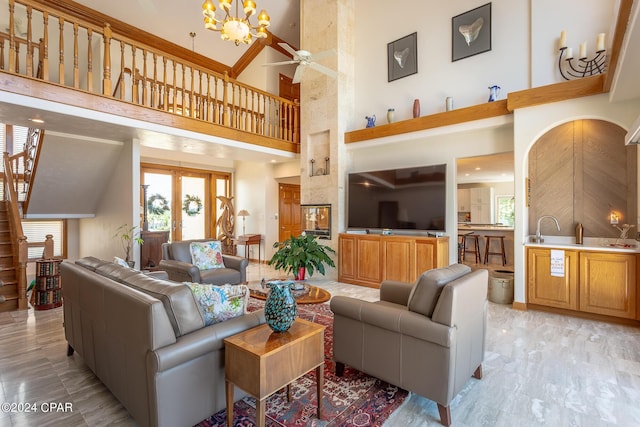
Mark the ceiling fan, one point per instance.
(305, 58)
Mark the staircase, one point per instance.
(8, 274)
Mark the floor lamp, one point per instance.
(243, 213)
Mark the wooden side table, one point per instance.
(248, 240)
(261, 362)
(151, 249)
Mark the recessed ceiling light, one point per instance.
(467, 174)
(36, 120)
(273, 161)
(478, 168)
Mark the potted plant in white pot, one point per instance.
(300, 255)
(128, 236)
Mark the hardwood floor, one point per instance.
(540, 369)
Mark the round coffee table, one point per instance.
(310, 294)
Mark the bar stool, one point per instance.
(475, 245)
(487, 249)
(461, 246)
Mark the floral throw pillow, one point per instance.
(206, 255)
(120, 261)
(220, 303)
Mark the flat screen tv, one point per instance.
(402, 199)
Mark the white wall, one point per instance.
(582, 21)
(509, 63)
(250, 194)
(466, 80)
(120, 204)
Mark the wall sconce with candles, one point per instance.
(583, 67)
(319, 171)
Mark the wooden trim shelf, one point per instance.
(453, 117)
(525, 98)
(556, 92)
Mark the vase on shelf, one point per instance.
(280, 309)
(371, 121)
(391, 114)
(494, 91)
(416, 108)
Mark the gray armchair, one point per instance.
(176, 261)
(426, 337)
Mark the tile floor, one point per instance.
(540, 369)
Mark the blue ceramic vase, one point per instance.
(280, 309)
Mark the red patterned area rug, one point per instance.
(354, 399)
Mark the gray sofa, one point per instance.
(176, 261)
(145, 339)
(426, 337)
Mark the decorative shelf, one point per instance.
(525, 98)
(453, 117)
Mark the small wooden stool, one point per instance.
(487, 249)
(475, 247)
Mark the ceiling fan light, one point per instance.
(249, 8)
(263, 18)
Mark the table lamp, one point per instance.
(243, 213)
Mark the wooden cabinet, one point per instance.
(151, 249)
(551, 291)
(594, 282)
(608, 284)
(398, 258)
(464, 200)
(47, 291)
(368, 259)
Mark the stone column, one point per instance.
(327, 25)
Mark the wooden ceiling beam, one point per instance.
(618, 37)
(254, 50)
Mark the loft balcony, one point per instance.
(71, 57)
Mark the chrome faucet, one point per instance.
(538, 238)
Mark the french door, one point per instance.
(184, 201)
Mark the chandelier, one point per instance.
(235, 28)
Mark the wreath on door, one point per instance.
(157, 204)
(192, 205)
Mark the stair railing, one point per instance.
(159, 80)
(18, 239)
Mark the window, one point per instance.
(36, 232)
(505, 212)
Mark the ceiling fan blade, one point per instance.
(324, 54)
(280, 63)
(289, 49)
(298, 74)
(328, 71)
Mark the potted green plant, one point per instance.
(128, 236)
(301, 254)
